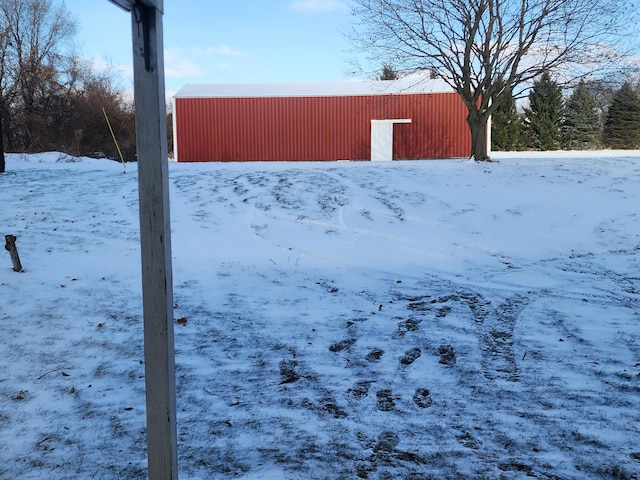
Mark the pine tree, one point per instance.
(581, 128)
(506, 126)
(388, 73)
(622, 127)
(544, 115)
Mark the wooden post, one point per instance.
(13, 251)
(155, 235)
(155, 238)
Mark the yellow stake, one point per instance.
(113, 135)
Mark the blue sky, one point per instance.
(222, 41)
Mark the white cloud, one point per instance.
(196, 63)
(226, 50)
(318, 6)
(178, 65)
(102, 64)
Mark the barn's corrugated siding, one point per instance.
(318, 128)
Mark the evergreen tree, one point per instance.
(506, 126)
(388, 73)
(581, 128)
(544, 115)
(622, 127)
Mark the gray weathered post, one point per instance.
(155, 236)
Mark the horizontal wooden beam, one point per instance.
(128, 4)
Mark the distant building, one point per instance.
(349, 120)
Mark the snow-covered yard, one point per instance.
(405, 320)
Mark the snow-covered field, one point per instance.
(405, 320)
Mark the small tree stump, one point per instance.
(13, 251)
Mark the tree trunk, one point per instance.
(478, 127)
(2, 162)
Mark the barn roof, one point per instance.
(409, 84)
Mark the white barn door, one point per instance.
(382, 139)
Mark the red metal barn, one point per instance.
(351, 120)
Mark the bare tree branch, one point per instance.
(485, 48)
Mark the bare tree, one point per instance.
(86, 131)
(38, 51)
(485, 49)
(4, 81)
(51, 98)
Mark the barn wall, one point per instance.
(318, 128)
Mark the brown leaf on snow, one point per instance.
(182, 321)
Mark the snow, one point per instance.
(405, 85)
(433, 319)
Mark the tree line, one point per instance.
(592, 116)
(487, 50)
(52, 99)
